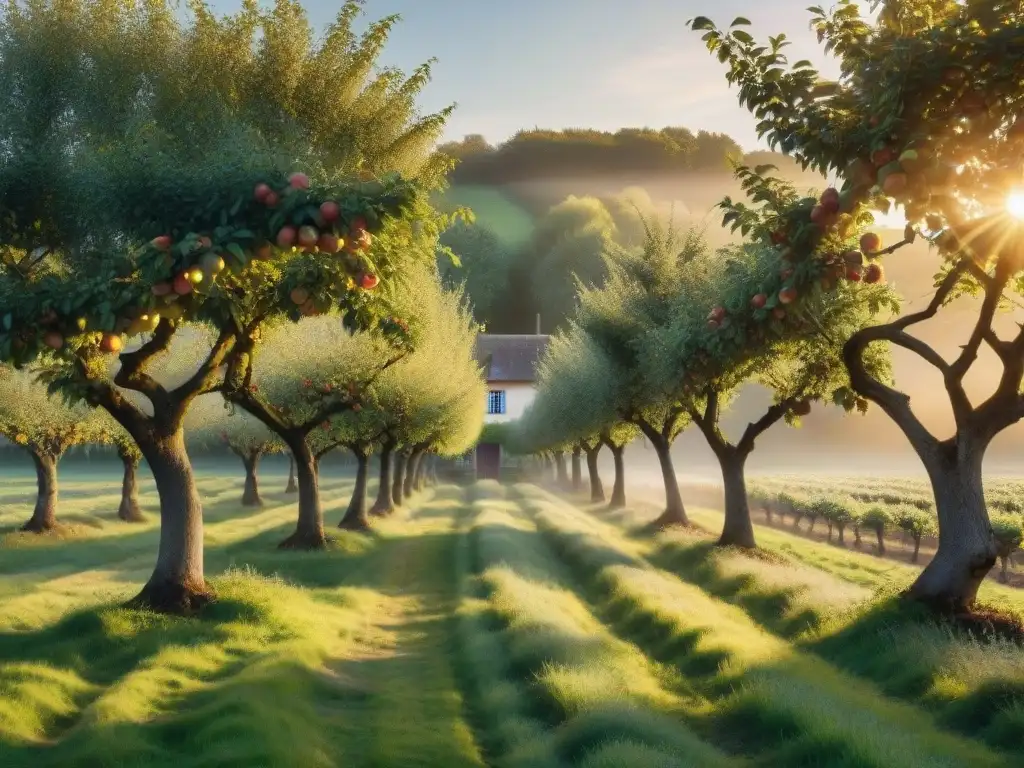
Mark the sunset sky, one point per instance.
(576, 63)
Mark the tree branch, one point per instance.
(757, 428)
(133, 376)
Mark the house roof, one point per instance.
(510, 357)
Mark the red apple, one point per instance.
(264, 252)
(299, 296)
(853, 274)
(328, 243)
(873, 274)
(162, 243)
(53, 340)
(298, 181)
(330, 211)
(261, 192)
(801, 407)
(758, 301)
(870, 242)
(368, 281)
(308, 236)
(272, 199)
(883, 156)
(787, 295)
(286, 237)
(830, 199)
(717, 313)
(182, 285)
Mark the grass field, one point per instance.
(489, 625)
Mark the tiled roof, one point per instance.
(511, 357)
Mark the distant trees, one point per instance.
(573, 153)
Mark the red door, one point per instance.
(488, 461)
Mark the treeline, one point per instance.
(537, 154)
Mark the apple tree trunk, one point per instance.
(178, 584)
(618, 499)
(251, 492)
(309, 528)
(292, 487)
(577, 469)
(738, 528)
(880, 538)
(420, 481)
(384, 505)
(411, 468)
(44, 515)
(398, 485)
(675, 512)
(596, 486)
(967, 548)
(356, 518)
(129, 509)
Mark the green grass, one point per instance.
(325, 659)
(790, 704)
(512, 223)
(489, 626)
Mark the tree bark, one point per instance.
(738, 529)
(561, 471)
(44, 515)
(618, 500)
(880, 537)
(356, 518)
(432, 470)
(291, 487)
(384, 505)
(178, 584)
(309, 528)
(129, 510)
(675, 512)
(411, 467)
(398, 485)
(596, 486)
(420, 481)
(577, 470)
(967, 549)
(251, 492)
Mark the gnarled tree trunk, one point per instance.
(596, 486)
(738, 529)
(618, 499)
(129, 509)
(577, 469)
(398, 485)
(292, 487)
(355, 518)
(420, 481)
(251, 492)
(309, 528)
(561, 471)
(967, 547)
(178, 584)
(44, 515)
(384, 505)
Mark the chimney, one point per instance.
(538, 324)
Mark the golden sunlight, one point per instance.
(894, 219)
(1015, 204)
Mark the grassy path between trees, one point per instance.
(488, 626)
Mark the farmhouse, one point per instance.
(510, 364)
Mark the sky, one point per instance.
(576, 63)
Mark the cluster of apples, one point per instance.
(55, 338)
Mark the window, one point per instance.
(496, 401)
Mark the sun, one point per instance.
(1015, 204)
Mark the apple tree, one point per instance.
(214, 421)
(46, 427)
(798, 360)
(925, 116)
(164, 168)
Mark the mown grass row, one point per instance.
(775, 702)
(549, 685)
(973, 685)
